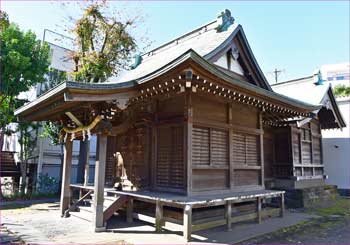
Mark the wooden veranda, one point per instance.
(181, 217)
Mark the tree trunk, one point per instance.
(23, 164)
(83, 149)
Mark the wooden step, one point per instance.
(114, 207)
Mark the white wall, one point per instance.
(336, 149)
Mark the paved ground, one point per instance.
(41, 223)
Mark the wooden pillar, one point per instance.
(87, 164)
(262, 149)
(159, 216)
(188, 140)
(129, 210)
(228, 214)
(258, 209)
(230, 147)
(282, 205)
(187, 222)
(66, 176)
(99, 184)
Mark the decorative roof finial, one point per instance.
(317, 76)
(224, 20)
(137, 60)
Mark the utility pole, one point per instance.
(276, 74)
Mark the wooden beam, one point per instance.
(129, 210)
(187, 222)
(230, 148)
(235, 219)
(74, 118)
(159, 216)
(188, 140)
(261, 149)
(258, 209)
(66, 176)
(99, 184)
(228, 214)
(282, 205)
(121, 98)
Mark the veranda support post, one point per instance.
(99, 184)
(66, 176)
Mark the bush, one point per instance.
(341, 90)
(47, 187)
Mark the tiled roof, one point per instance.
(202, 40)
(302, 89)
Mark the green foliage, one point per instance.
(54, 78)
(341, 90)
(19, 196)
(4, 20)
(24, 62)
(104, 45)
(47, 184)
(27, 138)
(339, 206)
(51, 131)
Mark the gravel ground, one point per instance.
(333, 227)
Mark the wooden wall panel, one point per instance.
(206, 110)
(318, 171)
(219, 147)
(244, 116)
(246, 177)
(239, 149)
(268, 154)
(253, 150)
(246, 149)
(306, 152)
(316, 147)
(110, 160)
(296, 147)
(170, 108)
(163, 156)
(282, 147)
(133, 147)
(308, 172)
(209, 179)
(170, 164)
(200, 146)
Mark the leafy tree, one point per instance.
(27, 139)
(104, 46)
(341, 90)
(24, 62)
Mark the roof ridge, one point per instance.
(290, 81)
(198, 29)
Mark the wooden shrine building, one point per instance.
(181, 136)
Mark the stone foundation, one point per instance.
(309, 196)
(344, 192)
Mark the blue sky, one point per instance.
(297, 37)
